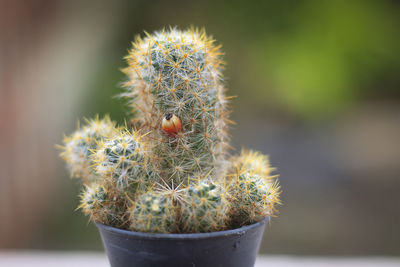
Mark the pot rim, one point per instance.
(237, 231)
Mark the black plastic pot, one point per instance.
(231, 248)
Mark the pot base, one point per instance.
(231, 248)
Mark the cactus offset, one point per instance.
(171, 174)
(79, 146)
(153, 213)
(254, 192)
(122, 159)
(206, 208)
(253, 162)
(101, 205)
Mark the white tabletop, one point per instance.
(94, 259)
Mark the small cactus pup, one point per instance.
(102, 205)
(175, 88)
(78, 147)
(254, 192)
(205, 208)
(122, 159)
(153, 213)
(93, 200)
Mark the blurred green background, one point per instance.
(317, 86)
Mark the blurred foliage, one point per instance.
(329, 54)
(307, 58)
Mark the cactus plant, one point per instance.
(169, 172)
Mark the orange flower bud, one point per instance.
(171, 124)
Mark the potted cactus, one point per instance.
(163, 191)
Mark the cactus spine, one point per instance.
(170, 174)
